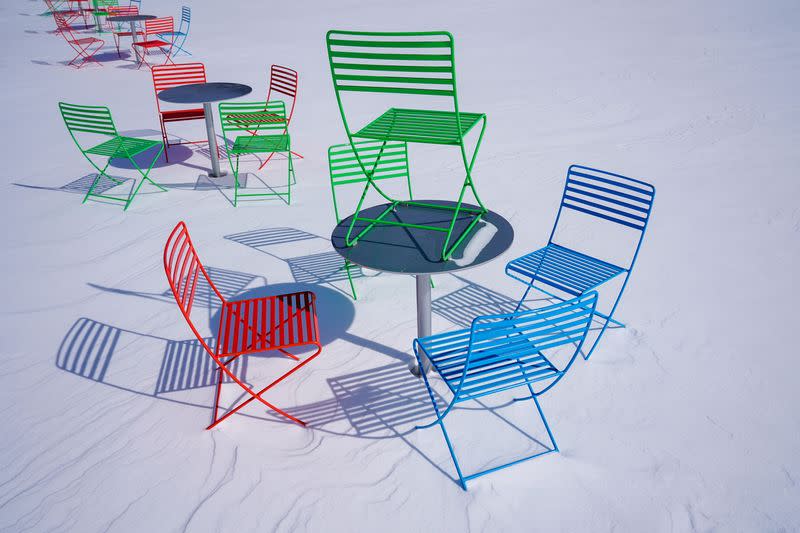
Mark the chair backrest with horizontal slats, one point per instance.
(252, 117)
(283, 80)
(183, 269)
(87, 119)
(169, 76)
(159, 25)
(510, 350)
(622, 201)
(388, 160)
(419, 63)
(186, 15)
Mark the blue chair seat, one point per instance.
(518, 363)
(565, 269)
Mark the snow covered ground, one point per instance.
(686, 420)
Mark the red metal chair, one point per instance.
(153, 28)
(245, 326)
(168, 76)
(119, 30)
(86, 47)
(283, 80)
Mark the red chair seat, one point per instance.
(182, 114)
(85, 40)
(155, 43)
(269, 323)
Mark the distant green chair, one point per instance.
(389, 160)
(417, 64)
(100, 11)
(96, 121)
(250, 119)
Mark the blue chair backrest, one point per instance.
(523, 337)
(186, 15)
(611, 197)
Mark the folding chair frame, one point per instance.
(253, 117)
(97, 120)
(411, 78)
(560, 324)
(628, 210)
(181, 258)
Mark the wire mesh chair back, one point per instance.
(184, 270)
(388, 160)
(522, 338)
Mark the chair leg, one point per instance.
(440, 422)
(145, 177)
(257, 395)
(289, 176)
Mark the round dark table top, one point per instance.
(130, 18)
(417, 251)
(201, 93)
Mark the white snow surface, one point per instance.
(687, 420)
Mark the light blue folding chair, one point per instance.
(503, 352)
(182, 32)
(566, 272)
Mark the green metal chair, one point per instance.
(388, 160)
(416, 64)
(100, 12)
(247, 121)
(93, 121)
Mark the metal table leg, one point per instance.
(133, 40)
(212, 141)
(423, 317)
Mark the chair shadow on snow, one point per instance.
(381, 402)
(326, 267)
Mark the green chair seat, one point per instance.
(253, 144)
(420, 126)
(122, 147)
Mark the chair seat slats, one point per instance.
(564, 269)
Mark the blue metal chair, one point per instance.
(182, 33)
(503, 352)
(624, 202)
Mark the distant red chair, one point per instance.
(121, 29)
(153, 28)
(245, 326)
(283, 80)
(86, 47)
(168, 76)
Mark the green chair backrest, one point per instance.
(87, 119)
(252, 117)
(408, 63)
(396, 62)
(389, 161)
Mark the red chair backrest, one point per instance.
(169, 76)
(283, 80)
(159, 25)
(183, 269)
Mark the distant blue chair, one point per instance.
(182, 33)
(503, 352)
(625, 203)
